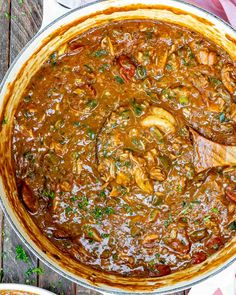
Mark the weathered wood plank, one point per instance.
(24, 20)
(51, 281)
(4, 37)
(85, 291)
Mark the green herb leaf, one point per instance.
(89, 69)
(21, 254)
(232, 225)
(169, 67)
(222, 117)
(34, 270)
(183, 100)
(103, 68)
(53, 58)
(91, 133)
(7, 15)
(4, 121)
(119, 80)
(100, 53)
(137, 108)
(215, 210)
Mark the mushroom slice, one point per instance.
(160, 118)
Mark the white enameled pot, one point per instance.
(25, 66)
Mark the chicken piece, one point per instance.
(29, 198)
(207, 58)
(228, 78)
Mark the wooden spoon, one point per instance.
(209, 154)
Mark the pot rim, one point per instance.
(47, 262)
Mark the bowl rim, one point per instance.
(24, 288)
(185, 285)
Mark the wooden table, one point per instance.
(19, 21)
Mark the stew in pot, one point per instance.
(104, 153)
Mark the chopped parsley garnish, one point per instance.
(100, 53)
(4, 121)
(119, 80)
(49, 194)
(215, 210)
(21, 254)
(222, 117)
(34, 270)
(68, 210)
(137, 108)
(103, 68)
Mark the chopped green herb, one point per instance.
(185, 62)
(215, 81)
(77, 124)
(68, 210)
(84, 203)
(128, 209)
(73, 198)
(91, 133)
(21, 254)
(100, 53)
(21, 2)
(215, 210)
(183, 100)
(104, 236)
(103, 68)
(232, 225)
(119, 80)
(169, 67)
(141, 73)
(92, 103)
(4, 121)
(34, 270)
(179, 188)
(208, 217)
(138, 110)
(102, 194)
(149, 34)
(7, 15)
(222, 117)
(157, 133)
(168, 221)
(49, 194)
(53, 58)
(89, 69)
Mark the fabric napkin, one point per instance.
(225, 9)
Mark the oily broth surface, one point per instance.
(103, 153)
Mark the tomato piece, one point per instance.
(214, 244)
(231, 193)
(128, 68)
(162, 270)
(198, 257)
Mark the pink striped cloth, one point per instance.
(226, 9)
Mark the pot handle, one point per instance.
(51, 11)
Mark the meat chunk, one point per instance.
(29, 199)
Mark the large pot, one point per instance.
(13, 85)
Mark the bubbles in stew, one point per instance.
(104, 155)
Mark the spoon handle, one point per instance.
(208, 154)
